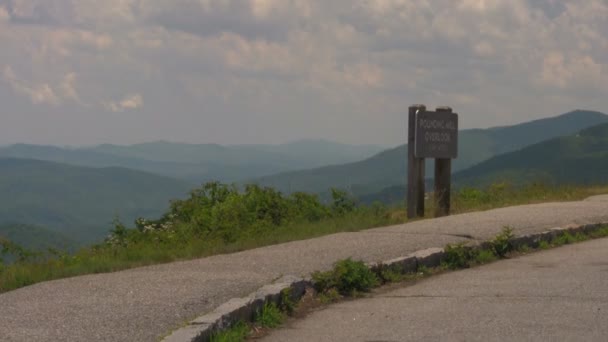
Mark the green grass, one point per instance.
(391, 274)
(348, 277)
(270, 316)
(237, 333)
(485, 256)
(184, 244)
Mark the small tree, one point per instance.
(342, 203)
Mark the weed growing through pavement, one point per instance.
(485, 256)
(270, 316)
(348, 277)
(523, 249)
(236, 333)
(458, 256)
(287, 305)
(501, 244)
(391, 274)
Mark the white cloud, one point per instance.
(229, 61)
(129, 102)
(571, 72)
(40, 93)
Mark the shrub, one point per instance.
(342, 203)
(458, 256)
(501, 244)
(270, 316)
(348, 277)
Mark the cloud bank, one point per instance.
(258, 71)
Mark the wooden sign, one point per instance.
(431, 135)
(436, 135)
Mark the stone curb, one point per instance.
(244, 309)
(239, 309)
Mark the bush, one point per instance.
(348, 277)
(342, 203)
(459, 256)
(501, 244)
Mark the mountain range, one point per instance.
(577, 159)
(70, 196)
(388, 168)
(80, 202)
(203, 162)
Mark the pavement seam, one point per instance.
(244, 309)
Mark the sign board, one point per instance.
(436, 135)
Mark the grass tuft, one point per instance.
(485, 257)
(270, 316)
(237, 333)
(348, 278)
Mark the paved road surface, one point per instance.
(556, 295)
(146, 303)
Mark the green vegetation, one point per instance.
(504, 194)
(348, 278)
(389, 167)
(485, 256)
(287, 304)
(390, 274)
(576, 159)
(216, 218)
(236, 333)
(501, 245)
(461, 255)
(270, 316)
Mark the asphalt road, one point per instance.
(555, 295)
(146, 303)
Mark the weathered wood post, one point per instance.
(443, 179)
(430, 135)
(416, 168)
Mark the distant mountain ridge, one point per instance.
(80, 202)
(202, 162)
(389, 167)
(35, 238)
(577, 159)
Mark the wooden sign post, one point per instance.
(416, 168)
(430, 135)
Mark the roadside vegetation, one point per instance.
(350, 278)
(219, 218)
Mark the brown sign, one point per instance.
(436, 135)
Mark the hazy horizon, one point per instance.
(385, 146)
(234, 72)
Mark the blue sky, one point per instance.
(75, 72)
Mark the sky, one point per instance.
(83, 72)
